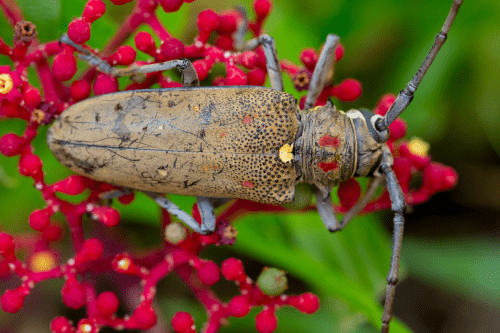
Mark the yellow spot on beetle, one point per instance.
(418, 147)
(286, 152)
(6, 83)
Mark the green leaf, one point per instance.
(349, 266)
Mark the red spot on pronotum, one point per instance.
(328, 140)
(247, 120)
(328, 166)
(248, 184)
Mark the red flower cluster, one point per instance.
(180, 254)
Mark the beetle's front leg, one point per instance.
(398, 206)
(323, 71)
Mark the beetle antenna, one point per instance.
(406, 95)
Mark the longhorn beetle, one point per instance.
(236, 142)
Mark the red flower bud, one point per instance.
(266, 321)
(61, 325)
(232, 269)
(64, 66)
(106, 215)
(39, 219)
(80, 89)
(11, 301)
(105, 84)
(239, 306)
(172, 48)
(93, 10)
(73, 294)
(182, 321)
(11, 144)
(209, 273)
(30, 165)
(145, 42)
(79, 31)
(107, 303)
(145, 316)
(171, 5)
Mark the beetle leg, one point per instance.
(405, 96)
(272, 62)
(398, 206)
(177, 212)
(239, 34)
(207, 214)
(325, 210)
(323, 71)
(189, 76)
(358, 207)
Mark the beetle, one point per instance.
(236, 142)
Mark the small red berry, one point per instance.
(201, 67)
(145, 316)
(224, 42)
(309, 57)
(182, 321)
(92, 248)
(72, 185)
(228, 22)
(339, 52)
(31, 96)
(209, 273)
(79, 90)
(39, 219)
(235, 77)
(73, 294)
(397, 129)
(172, 48)
(266, 321)
(61, 325)
(105, 84)
(64, 66)
(208, 21)
(52, 233)
(262, 7)
(232, 269)
(125, 55)
(79, 31)
(145, 42)
(309, 303)
(30, 165)
(5, 271)
(93, 10)
(106, 215)
(10, 144)
(11, 301)
(348, 90)
(171, 5)
(6, 245)
(239, 306)
(107, 303)
(349, 192)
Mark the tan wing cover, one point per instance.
(214, 142)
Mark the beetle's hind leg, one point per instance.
(323, 71)
(189, 76)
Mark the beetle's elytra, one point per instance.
(215, 142)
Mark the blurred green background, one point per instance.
(451, 251)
